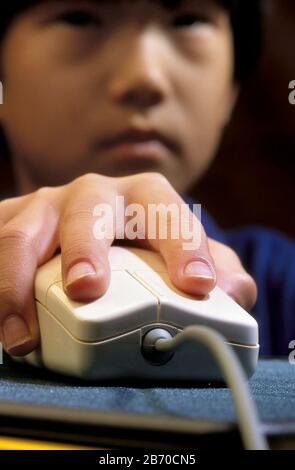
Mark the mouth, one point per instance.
(133, 143)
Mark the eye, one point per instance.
(188, 20)
(79, 18)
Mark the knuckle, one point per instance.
(76, 216)
(12, 236)
(251, 287)
(49, 197)
(230, 253)
(154, 177)
(88, 179)
(245, 289)
(100, 185)
(43, 192)
(245, 281)
(141, 183)
(225, 252)
(45, 199)
(3, 204)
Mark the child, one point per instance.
(128, 98)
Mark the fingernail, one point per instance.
(200, 270)
(15, 332)
(79, 271)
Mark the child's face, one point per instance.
(79, 74)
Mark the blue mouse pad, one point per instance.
(27, 393)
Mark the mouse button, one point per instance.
(153, 260)
(46, 276)
(59, 304)
(125, 305)
(216, 310)
(159, 282)
(133, 258)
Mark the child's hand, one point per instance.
(34, 226)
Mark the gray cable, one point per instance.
(234, 376)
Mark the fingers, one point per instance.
(34, 226)
(85, 264)
(10, 207)
(192, 270)
(26, 241)
(232, 277)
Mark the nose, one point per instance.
(139, 80)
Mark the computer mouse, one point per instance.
(102, 340)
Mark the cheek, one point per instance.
(206, 97)
(208, 103)
(43, 107)
(210, 84)
(207, 69)
(205, 124)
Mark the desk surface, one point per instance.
(272, 387)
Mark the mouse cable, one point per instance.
(249, 425)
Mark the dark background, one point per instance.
(253, 177)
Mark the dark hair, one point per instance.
(246, 20)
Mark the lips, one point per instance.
(137, 143)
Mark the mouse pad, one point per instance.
(29, 393)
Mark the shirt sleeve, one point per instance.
(269, 257)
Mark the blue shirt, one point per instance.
(269, 256)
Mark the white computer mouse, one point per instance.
(102, 340)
